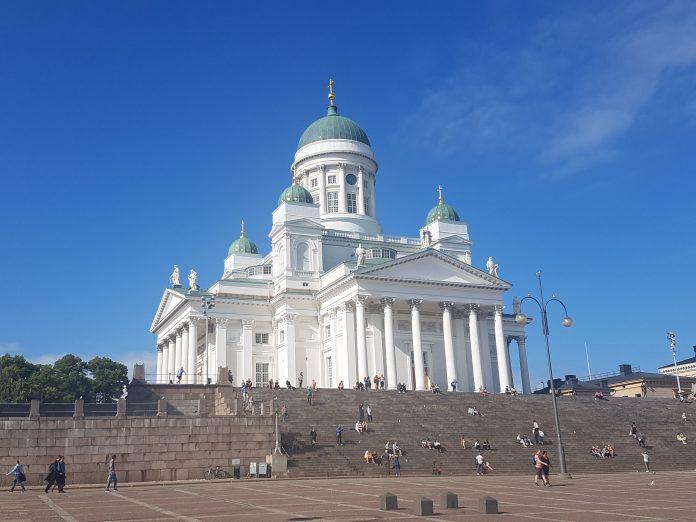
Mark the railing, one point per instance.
(368, 237)
(15, 410)
(605, 375)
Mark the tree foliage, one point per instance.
(67, 379)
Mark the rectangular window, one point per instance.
(327, 331)
(352, 203)
(261, 338)
(329, 372)
(331, 179)
(261, 374)
(281, 336)
(313, 182)
(267, 269)
(367, 208)
(332, 201)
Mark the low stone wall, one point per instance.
(147, 449)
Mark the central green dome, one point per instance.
(333, 127)
(242, 245)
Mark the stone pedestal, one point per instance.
(121, 409)
(278, 463)
(450, 500)
(139, 373)
(488, 506)
(162, 408)
(223, 376)
(388, 502)
(79, 412)
(424, 507)
(34, 409)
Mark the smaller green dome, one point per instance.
(295, 193)
(242, 245)
(442, 211)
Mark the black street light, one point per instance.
(567, 322)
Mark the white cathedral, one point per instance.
(338, 300)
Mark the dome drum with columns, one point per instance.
(337, 299)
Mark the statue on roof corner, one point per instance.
(192, 277)
(516, 306)
(492, 267)
(359, 256)
(426, 238)
(174, 278)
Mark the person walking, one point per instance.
(19, 477)
(56, 475)
(546, 461)
(284, 412)
(479, 460)
(397, 466)
(538, 468)
(339, 435)
(535, 431)
(454, 385)
(300, 378)
(646, 461)
(310, 395)
(313, 436)
(111, 477)
(369, 413)
(179, 375)
(361, 413)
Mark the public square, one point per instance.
(608, 497)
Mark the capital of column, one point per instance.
(194, 319)
(221, 322)
(414, 303)
(289, 318)
(387, 302)
(343, 167)
(446, 305)
(331, 313)
(171, 337)
(179, 330)
(498, 309)
(246, 323)
(473, 308)
(360, 300)
(348, 306)
(521, 339)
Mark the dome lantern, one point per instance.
(242, 245)
(442, 211)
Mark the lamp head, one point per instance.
(567, 322)
(521, 319)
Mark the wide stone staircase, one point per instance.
(410, 417)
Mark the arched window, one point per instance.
(303, 260)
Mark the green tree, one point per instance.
(108, 378)
(73, 382)
(15, 376)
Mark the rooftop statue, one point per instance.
(174, 278)
(492, 267)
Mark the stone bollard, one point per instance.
(121, 409)
(450, 500)
(235, 408)
(262, 409)
(34, 409)
(488, 506)
(388, 502)
(223, 376)
(79, 412)
(271, 407)
(162, 407)
(424, 507)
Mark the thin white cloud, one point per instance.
(563, 97)
(11, 347)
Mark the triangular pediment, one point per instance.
(434, 267)
(296, 223)
(170, 301)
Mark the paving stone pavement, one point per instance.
(606, 497)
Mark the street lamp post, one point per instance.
(207, 303)
(672, 338)
(567, 322)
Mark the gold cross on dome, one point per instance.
(439, 194)
(332, 96)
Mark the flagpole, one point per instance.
(587, 358)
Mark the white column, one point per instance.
(475, 347)
(360, 336)
(346, 348)
(247, 350)
(177, 356)
(322, 190)
(524, 369)
(376, 322)
(171, 362)
(507, 349)
(501, 349)
(373, 201)
(184, 351)
(418, 366)
(389, 346)
(342, 189)
(289, 346)
(450, 363)
(158, 374)
(361, 192)
(463, 357)
(220, 346)
(192, 378)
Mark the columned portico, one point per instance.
(501, 350)
(191, 378)
(361, 345)
(450, 362)
(524, 368)
(475, 347)
(389, 346)
(418, 366)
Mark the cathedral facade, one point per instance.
(336, 298)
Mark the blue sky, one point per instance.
(136, 135)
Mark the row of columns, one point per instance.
(477, 358)
(343, 189)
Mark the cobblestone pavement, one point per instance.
(616, 497)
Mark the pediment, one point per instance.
(454, 240)
(170, 301)
(296, 223)
(431, 266)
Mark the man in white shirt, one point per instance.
(479, 464)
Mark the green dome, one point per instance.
(242, 245)
(295, 193)
(333, 127)
(442, 211)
